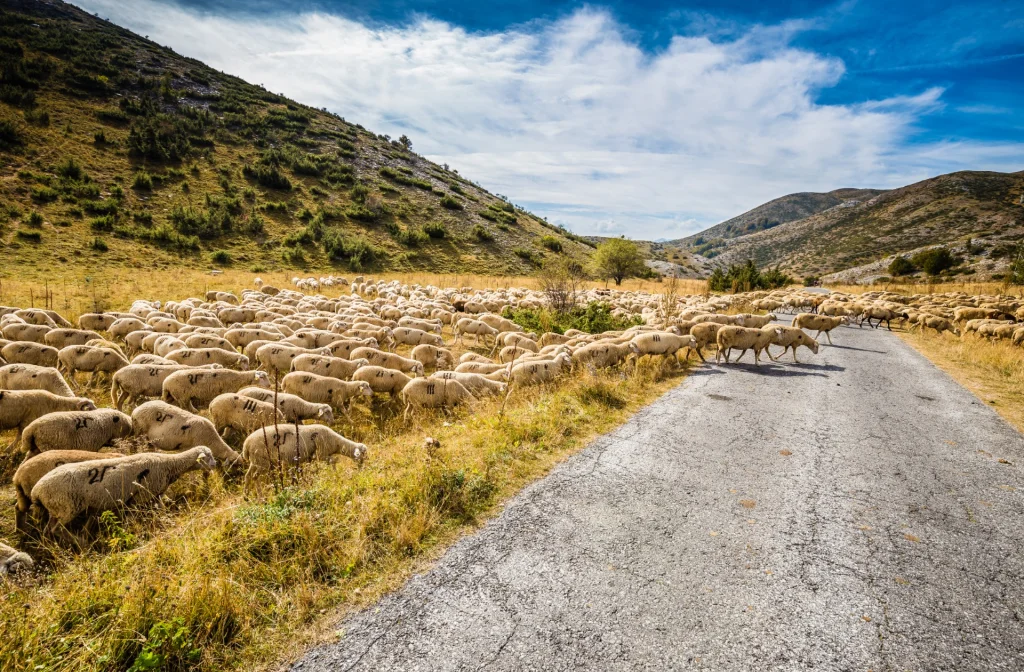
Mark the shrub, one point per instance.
(142, 181)
(104, 223)
(551, 243)
(1016, 270)
(99, 244)
(451, 203)
(220, 257)
(934, 261)
(267, 175)
(10, 134)
(435, 230)
(44, 194)
(143, 217)
(356, 250)
(108, 207)
(595, 317)
(37, 117)
(70, 169)
(901, 266)
(812, 281)
(99, 138)
(30, 236)
(35, 220)
(482, 234)
(746, 277)
(527, 255)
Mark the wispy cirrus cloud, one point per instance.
(574, 119)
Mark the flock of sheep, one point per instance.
(271, 368)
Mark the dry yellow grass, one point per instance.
(217, 581)
(992, 370)
(987, 288)
(72, 294)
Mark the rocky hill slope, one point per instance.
(978, 214)
(115, 151)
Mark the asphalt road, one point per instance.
(860, 511)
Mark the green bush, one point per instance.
(266, 175)
(356, 250)
(30, 236)
(527, 255)
(551, 243)
(482, 234)
(104, 223)
(901, 266)
(35, 220)
(143, 217)
(934, 261)
(746, 277)
(10, 135)
(99, 244)
(220, 257)
(451, 203)
(70, 169)
(595, 317)
(44, 194)
(142, 181)
(435, 230)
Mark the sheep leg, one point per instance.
(408, 409)
(12, 444)
(794, 355)
(828, 335)
(701, 355)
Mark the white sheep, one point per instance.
(324, 390)
(168, 427)
(204, 356)
(332, 367)
(89, 358)
(434, 393)
(382, 380)
(540, 371)
(61, 338)
(823, 324)
(13, 561)
(18, 408)
(27, 376)
(433, 357)
(789, 337)
(477, 384)
(603, 354)
(294, 407)
(413, 336)
(29, 352)
(389, 360)
(75, 430)
(289, 446)
(34, 468)
(140, 380)
(662, 343)
(186, 388)
(242, 414)
(743, 338)
(90, 488)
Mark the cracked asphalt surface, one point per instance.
(859, 511)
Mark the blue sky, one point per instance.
(651, 119)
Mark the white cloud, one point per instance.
(573, 119)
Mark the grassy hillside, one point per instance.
(978, 215)
(115, 151)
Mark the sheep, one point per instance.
(939, 324)
(475, 327)
(544, 371)
(433, 393)
(965, 313)
(382, 380)
(29, 352)
(324, 390)
(661, 343)
(243, 414)
(477, 384)
(480, 367)
(61, 338)
(138, 380)
(389, 360)
(97, 321)
(344, 348)
(474, 357)
(294, 407)
(881, 314)
(31, 377)
(292, 445)
(123, 326)
(200, 356)
(92, 359)
(754, 321)
(25, 332)
(433, 357)
(412, 336)
(603, 354)
(18, 408)
(744, 338)
(240, 338)
(168, 427)
(822, 324)
(71, 490)
(13, 561)
(424, 325)
(34, 468)
(278, 357)
(208, 341)
(704, 334)
(789, 337)
(134, 340)
(332, 367)
(75, 430)
(185, 388)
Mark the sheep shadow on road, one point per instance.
(788, 370)
(850, 347)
